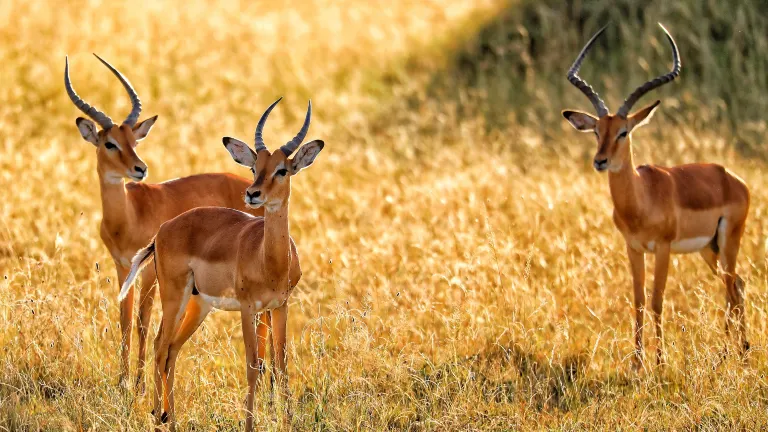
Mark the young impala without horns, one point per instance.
(687, 208)
(133, 212)
(221, 258)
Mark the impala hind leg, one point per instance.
(660, 273)
(146, 300)
(711, 258)
(174, 294)
(734, 284)
(637, 265)
(126, 326)
(194, 315)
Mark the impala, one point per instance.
(687, 208)
(226, 259)
(133, 212)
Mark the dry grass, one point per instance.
(456, 276)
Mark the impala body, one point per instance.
(222, 258)
(133, 212)
(682, 209)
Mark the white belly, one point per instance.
(222, 303)
(232, 304)
(690, 245)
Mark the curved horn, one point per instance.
(99, 117)
(135, 101)
(582, 85)
(293, 144)
(258, 140)
(654, 83)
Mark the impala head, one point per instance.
(115, 145)
(613, 130)
(272, 172)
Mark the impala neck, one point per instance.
(277, 243)
(114, 201)
(625, 185)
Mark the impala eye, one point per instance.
(281, 172)
(623, 134)
(110, 146)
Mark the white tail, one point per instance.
(140, 261)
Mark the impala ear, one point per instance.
(141, 130)
(88, 130)
(582, 121)
(240, 152)
(643, 116)
(306, 155)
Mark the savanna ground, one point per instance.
(461, 270)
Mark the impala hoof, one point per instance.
(164, 417)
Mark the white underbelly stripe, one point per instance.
(690, 245)
(223, 303)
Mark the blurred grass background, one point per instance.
(461, 270)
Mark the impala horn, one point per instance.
(258, 140)
(656, 82)
(99, 117)
(573, 77)
(135, 101)
(293, 144)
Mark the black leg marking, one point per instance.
(713, 244)
(164, 417)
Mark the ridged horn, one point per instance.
(573, 77)
(258, 140)
(291, 146)
(656, 82)
(135, 101)
(99, 117)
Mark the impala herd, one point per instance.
(222, 241)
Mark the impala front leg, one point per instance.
(254, 361)
(657, 301)
(126, 317)
(637, 264)
(280, 365)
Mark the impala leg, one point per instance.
(279, 327)
(266, 318)
(734, 285)
(657, 301)
(146, 300)
(126, 324)
(194, 315)
(254, 360)
(174, 301)
(637, 265)
(262, 338)
(711, 258)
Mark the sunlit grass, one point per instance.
(456, 276)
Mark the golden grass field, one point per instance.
(457, 276)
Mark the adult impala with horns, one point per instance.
(213, 257)
(133, 212)
(687, 208)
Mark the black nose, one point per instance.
(600, 164)
(253, 195)
(139, 169)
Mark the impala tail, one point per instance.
(142, 258)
